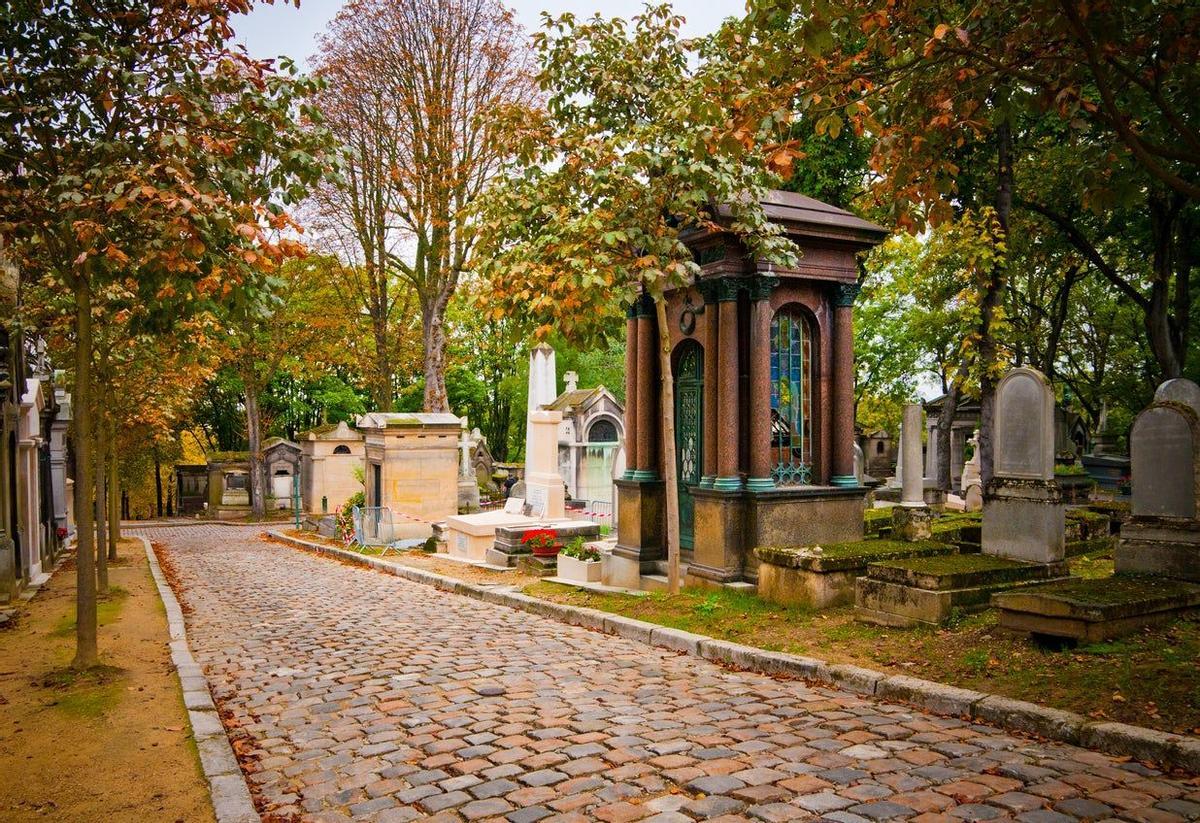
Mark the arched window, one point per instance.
(342, 450)
(602, 431)
(791, 397)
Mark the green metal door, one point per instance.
(689, 435)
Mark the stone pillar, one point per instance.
(728, 470)
(760, 383)
(913, 482)
(647, 393)
(912, 519)
(712, 357)
(843, 385)
(631, 392)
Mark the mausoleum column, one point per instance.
(647, 427)
(631, 392)
(843, 384)
(760, 383)
(728, 471)
(712, 346)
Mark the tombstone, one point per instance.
(972, 486)
(1179, 390)
(1163, 535)
(468, 484)
(859, 461)
(545, 493)
(1023, 514)
(1024, 426)
(1163, 449)
(912, 519)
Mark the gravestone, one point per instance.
(912, 519)
(972, 486)
(1179, 390)
(1163, 535)
(1023, 514)
(468, 484)
(545, 492)
(1024, 426)
(1163, 452)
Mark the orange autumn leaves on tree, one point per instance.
(412, 87)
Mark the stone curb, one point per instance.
(1166, 749)
(226, 785)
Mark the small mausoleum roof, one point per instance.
(386, 420)
(332, 431)
(807, 215)
(574, 399)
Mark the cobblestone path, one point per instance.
(367, 697)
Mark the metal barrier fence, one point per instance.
(373, 525)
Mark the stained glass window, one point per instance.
(791, 397)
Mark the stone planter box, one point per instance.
(1075, 488)
(579, 571)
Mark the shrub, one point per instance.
(579, 551)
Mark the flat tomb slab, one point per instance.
(929, 590)
(961, 571)
(819, 576)
(837, 557)
(1092, 610)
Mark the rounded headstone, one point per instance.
(1163, 454)
(1179, 390)
(1024, 423)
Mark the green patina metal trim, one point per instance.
(707, 481)
(728, 288)
(761, 286)
(628, 475)
(760, 484)
(844, 294)
(728, 484)
(844, 480)
(644, 474)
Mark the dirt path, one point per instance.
(118, 750)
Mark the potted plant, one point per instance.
(579, 563)
(542, 542)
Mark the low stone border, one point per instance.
(226, 784)
(1168, 750)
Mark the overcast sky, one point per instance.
(271, 31)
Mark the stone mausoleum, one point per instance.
(763, 363)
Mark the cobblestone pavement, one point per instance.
(371, 698)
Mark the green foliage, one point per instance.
(577, 549)
(708, 606)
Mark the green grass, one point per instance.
(108, 609)
(861, 548)
(1154, 671)
(88, 693)
(956, 564)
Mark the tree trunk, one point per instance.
(258, 502)
(101, 513)
(158, 496)
(1164, 343)
(668, 444)
(433, 336)
(86, 654)
(383, 364)
(945, 473)
(114, 495)
(988, 348)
